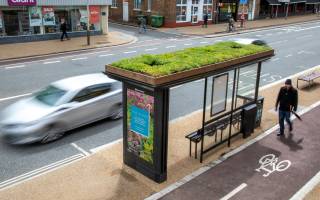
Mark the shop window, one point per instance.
(181, 11)
(137, 4)
(195, 1)
(207, 8)
(114, 4)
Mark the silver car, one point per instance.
(62, 106)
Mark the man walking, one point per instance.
(63, 28)
(205, 21)
(288, 100)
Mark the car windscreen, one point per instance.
(50, 95)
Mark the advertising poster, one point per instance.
(48, 16)
(140, 123)
(83, 16)
(94, 14)
(1, 24)
(35, 16)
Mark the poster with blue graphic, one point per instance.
(243, 1)
(140, 121)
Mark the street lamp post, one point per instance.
(88, 24)
(287, 11)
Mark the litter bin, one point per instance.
(156, 20)
(259, 111)
(248, 121)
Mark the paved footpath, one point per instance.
(272, 168)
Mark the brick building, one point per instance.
(190, 12)
(176, 12)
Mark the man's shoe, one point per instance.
(290, 128)
(280, 134)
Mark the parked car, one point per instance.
(63, 105)
(250, 41)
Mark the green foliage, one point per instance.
(169, 63)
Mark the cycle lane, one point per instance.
(295, 160)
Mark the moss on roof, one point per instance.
(169, 63)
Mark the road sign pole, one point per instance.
(287, 11)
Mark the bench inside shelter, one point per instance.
(310, 77)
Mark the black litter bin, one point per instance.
(248, 121)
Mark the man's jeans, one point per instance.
(284, 115)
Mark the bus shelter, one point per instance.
(146, 109)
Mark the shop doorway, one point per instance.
(63, 14)
(125, 11)
(11, 22)
(227, 10)
(194, 13)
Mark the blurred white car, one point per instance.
(250, 41)
(62, 106)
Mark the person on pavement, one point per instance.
(205, 21)
(63, 28)
(142, 25)
(287, 101)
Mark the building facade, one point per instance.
(190, 12)
(43, 17)
(179, 12)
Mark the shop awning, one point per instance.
(273, 2)
(313, 2)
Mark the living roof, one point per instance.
(187, 59)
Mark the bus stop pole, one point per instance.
(203, 117)
(88, 24)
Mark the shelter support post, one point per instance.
(232, 104)
(257, 82)
(203, 116)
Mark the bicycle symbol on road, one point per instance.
(269, 164)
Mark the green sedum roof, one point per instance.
(187, 59)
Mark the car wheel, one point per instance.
(54, 133)
(118, 114)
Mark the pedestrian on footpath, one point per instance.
(288, 100)
(205, 21)
(242, 18)
(142, 25)
(63, 29)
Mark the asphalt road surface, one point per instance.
(296, 50)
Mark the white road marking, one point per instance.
(37, 172)
(218, 40)
(304, 36)
(17, 66)
(80, 149)
(187, 44)
(199, 80)
(270, 163)
(151, 49)
(307, 188)
(267, 74)
(168, 47)
(234, 192)
(245, 87)
(83, 58)
(14, 97)
(289, 55)
(204, 42)
(105, 55)
(127, 52)
(51, 62)
(300, 52)
(105, 146)
(275, 59)
(268, 34)
(250, 71)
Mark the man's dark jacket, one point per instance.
(287, 98)
(63, 27)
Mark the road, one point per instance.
(296, 50)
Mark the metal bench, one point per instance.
(211, 130)
(308, 78)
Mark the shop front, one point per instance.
(191, 12)
(41, 19)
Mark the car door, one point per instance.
(88, 105)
